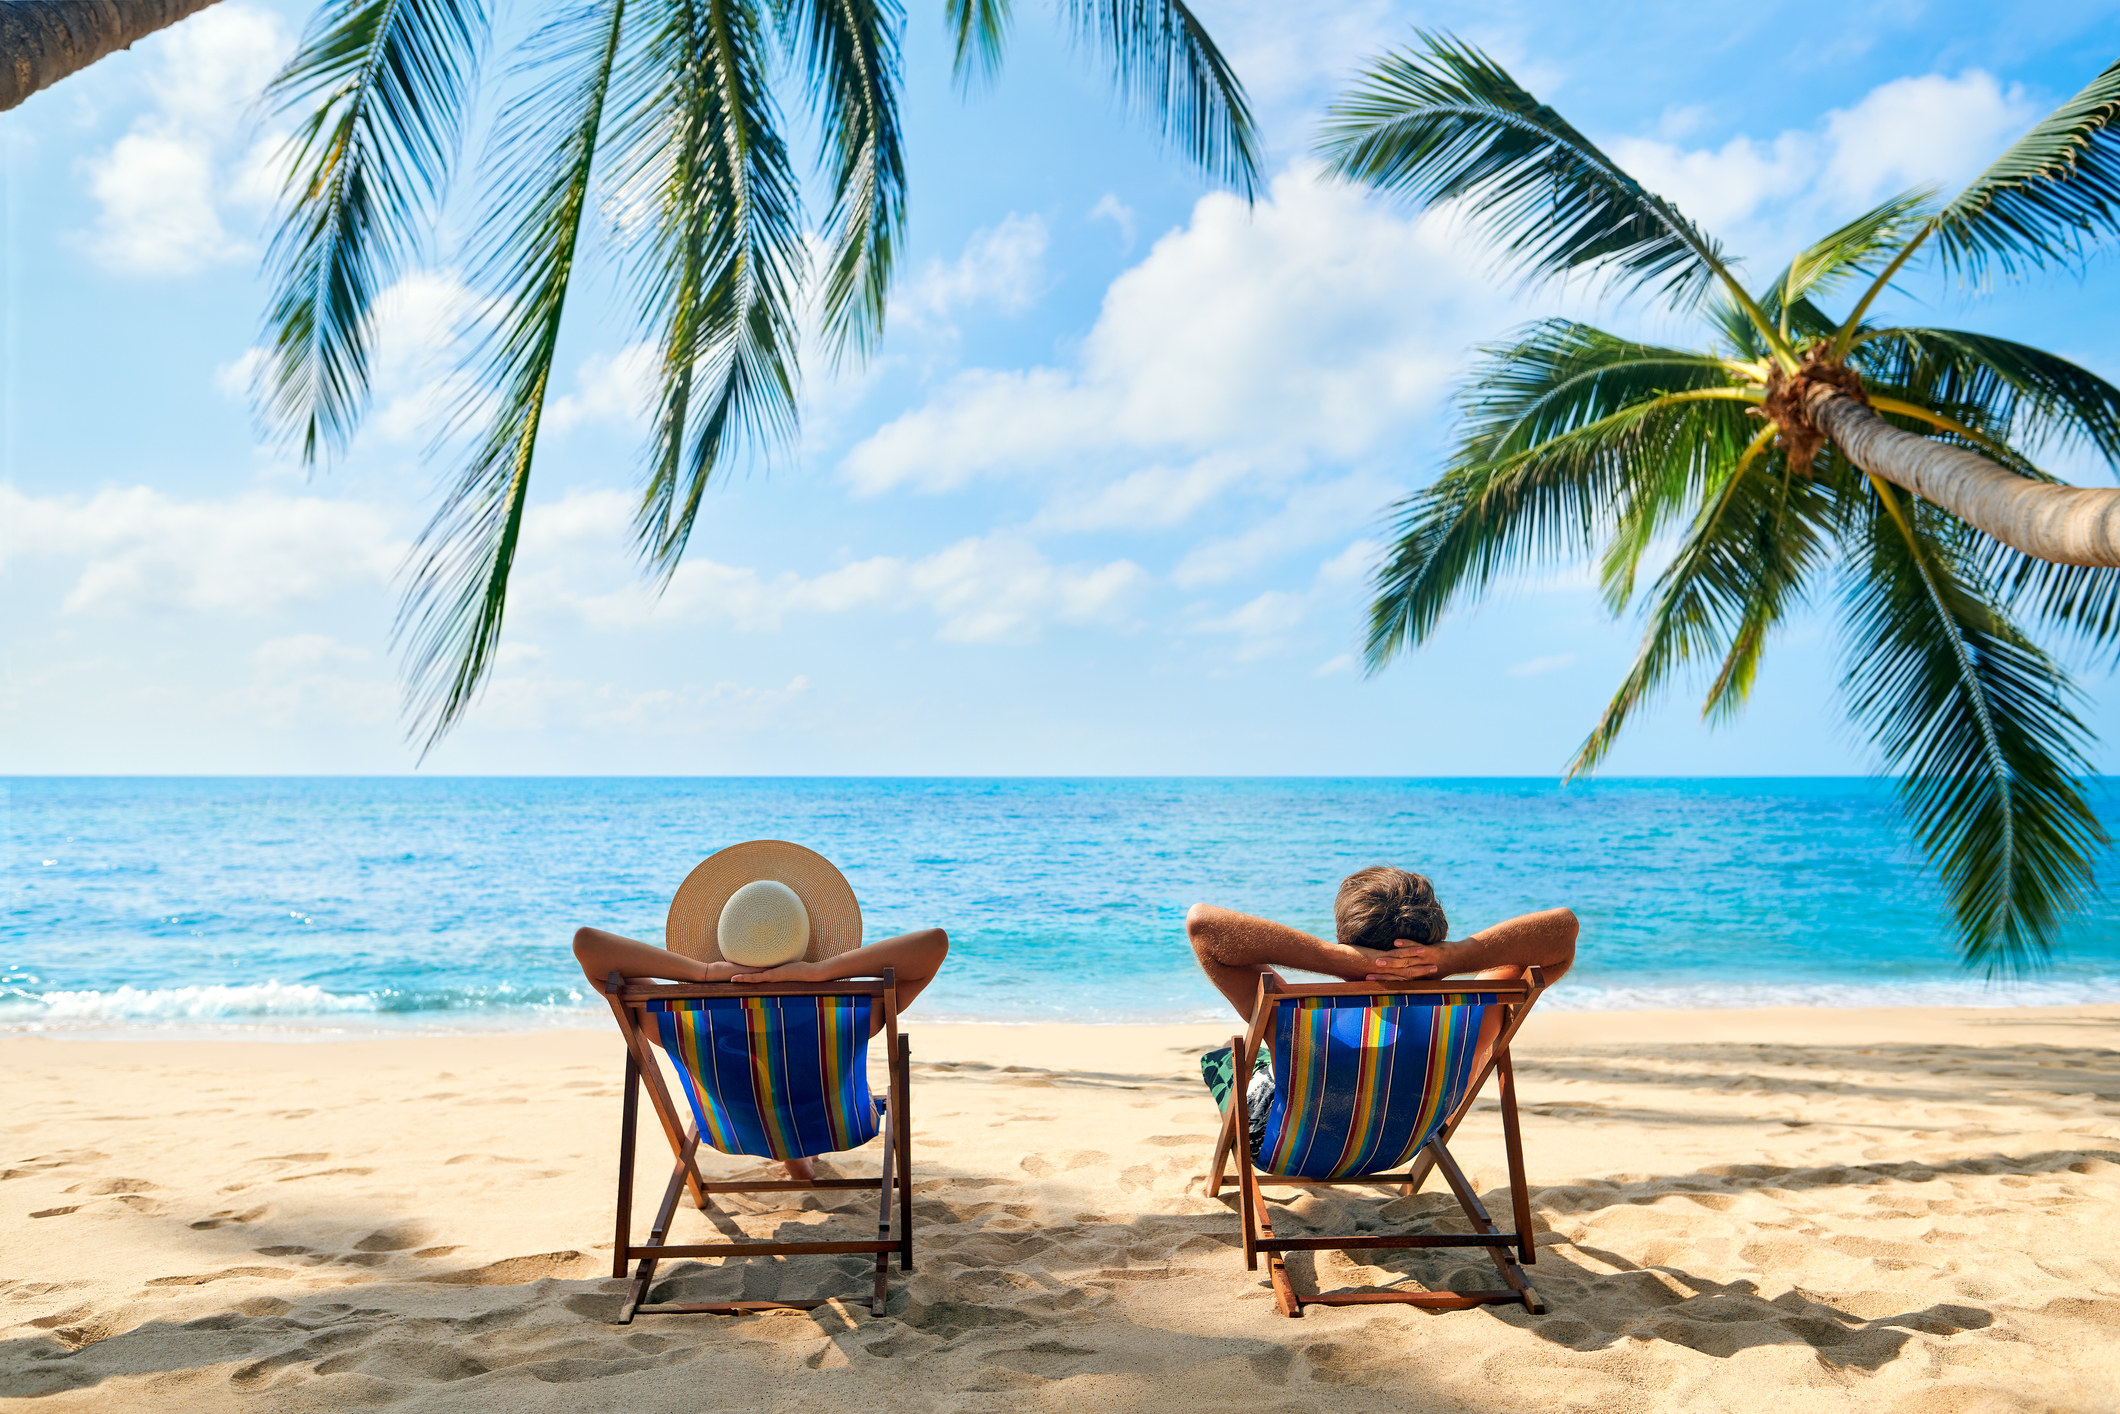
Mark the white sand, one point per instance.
(1889, 1210)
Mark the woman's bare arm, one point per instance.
(915, 958)
(602, 954)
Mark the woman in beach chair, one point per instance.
(1343, 1082)
(764, 1004)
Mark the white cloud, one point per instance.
(306, 650)
(1767, 196)
(1915, 131)
(141, 551)
(521, 703)
(234, 378)
(1151, 498)
(417, 376)
(1310, 326)
(158, 216)
(616, 387)
(302, 681)
(1313, 513)
(1333, 666)
(160, 186)
(993, 588)
(1110, 208)
(1352, 564)
(1003, 265)
(1539, 667)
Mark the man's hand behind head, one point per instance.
(1409, 961)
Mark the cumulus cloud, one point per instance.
(1309, 326)
(1263, 624)
(1002, 266)
(616, 387)
(162, 186)
(416, 375)
(140, 551)
(993, 588)
(314, 680)
(1768, 194)
(1110, 208)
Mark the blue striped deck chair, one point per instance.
(775, 1072)
(1367, 1078)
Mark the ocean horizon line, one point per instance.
(1324, 776)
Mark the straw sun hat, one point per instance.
(763, 903)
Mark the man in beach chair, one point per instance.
(764, 1004)
(1343, 1082)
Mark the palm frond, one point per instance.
(384, 84)
(2053, 197)
(1167, 66)
(2081, 602)
(1549, 501)
(1756, 538)
(2008, 391)
(978, 33)
(1979, 726)
(449, 624)
(1442, 122)
(850, 49)
(1862, 247)
(1558, 375)
(722, 257)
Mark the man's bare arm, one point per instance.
(1235, 949)
(1545, 940)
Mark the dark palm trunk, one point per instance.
(42, 41)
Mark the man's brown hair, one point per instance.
(1380, 904)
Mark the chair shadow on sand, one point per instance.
(1592, 1309)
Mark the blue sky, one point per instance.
(1104, 501)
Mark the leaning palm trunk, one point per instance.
(2069, 525)
(42, 41)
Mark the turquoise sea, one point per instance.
(322, 906)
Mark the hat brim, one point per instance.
(835, 916)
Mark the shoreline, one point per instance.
(1563, 1025)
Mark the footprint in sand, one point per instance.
(393, 1239)
(225, 1217)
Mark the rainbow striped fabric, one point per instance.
(1361, 1083)
(778, 1077)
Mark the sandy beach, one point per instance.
(1907, 1210)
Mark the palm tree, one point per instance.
(656, 123)
(42, 41)
(1798, 457)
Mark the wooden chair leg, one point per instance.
(1512, 1141)
(1228, 1124)
(884, 1203)
(1284, 1289)
(622, 1239)
(905, 1153)
(1247, 1196)
(1476, 1214)
(644, 1275)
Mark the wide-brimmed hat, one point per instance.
(835, 917)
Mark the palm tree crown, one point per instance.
(1756, 455)
(666, 115)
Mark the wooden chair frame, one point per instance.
(1515, 999)
(629, 1000)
